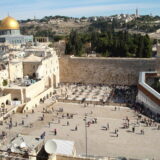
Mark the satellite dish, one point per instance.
(23, 145)
(50, 147)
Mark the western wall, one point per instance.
(119, 71)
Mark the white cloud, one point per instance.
(43, 8)
(93, 10)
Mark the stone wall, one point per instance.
(120, 71)
(15, 70)
(3, 76)
(36, 100)
(30, 68)
(158, 65)
(4, 99)
(35, 89)
(63, 157)
(148, 103)
(16, 93)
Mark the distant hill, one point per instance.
(58, 27)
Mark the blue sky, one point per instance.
(24, 9)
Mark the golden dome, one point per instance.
(9, 23)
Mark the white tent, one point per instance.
(65, 147)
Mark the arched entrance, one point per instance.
(41, 100)
(15, 99)
(7, 102)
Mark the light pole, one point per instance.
(85, 123)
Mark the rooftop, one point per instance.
(32, 58)
(23, 143)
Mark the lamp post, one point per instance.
(85, 123)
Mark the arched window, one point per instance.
(15, 99)
(7, 102)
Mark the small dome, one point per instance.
(9, 23)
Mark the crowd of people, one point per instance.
(124, 94)
(98, 93)
(140, 108)
(3, 111)
(118, 94)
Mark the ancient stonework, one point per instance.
(120, 71)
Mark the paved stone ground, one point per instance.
(100, 142)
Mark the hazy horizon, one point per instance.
(22, 9)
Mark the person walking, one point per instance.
(76, 128)
(55, 132)
(108, 126)
(49, 123)
(31, 125)
(117, 135)
(142, 131)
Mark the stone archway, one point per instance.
(15, 99)
(41, 100)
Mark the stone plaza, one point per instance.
(107, 136)
(103, 106)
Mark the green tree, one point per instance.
(147, 53)
(74, 44)
(5, 82)
(117, 44)
(140, 48)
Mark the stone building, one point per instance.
(28, 73)
(147, 95)
(3, 74)
(32, 71)
(10, 32)
(30, 79)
